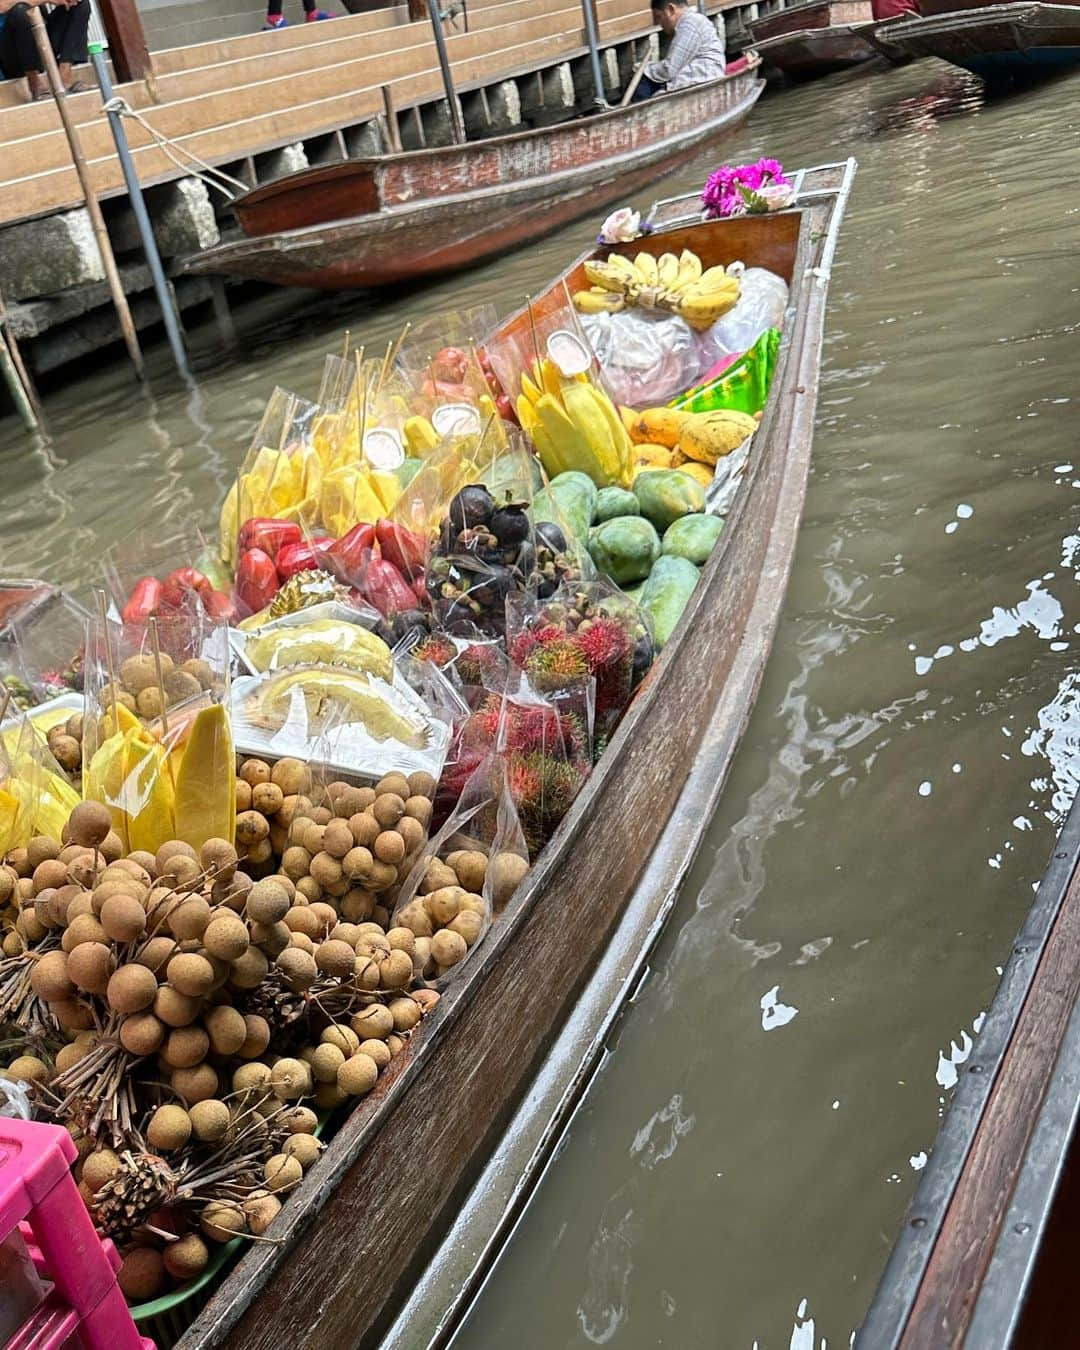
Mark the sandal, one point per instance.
(79, 87)
(41, 95)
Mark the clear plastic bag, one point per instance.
(763, 298)
(647, 356)
(465, 876)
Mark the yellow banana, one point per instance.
(608, 275)
(714, 277)
(598, 301)
(667, 269)
(645, 266)
(702, 311)
(689, 270)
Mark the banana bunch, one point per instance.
(573, 425)
(677, 284)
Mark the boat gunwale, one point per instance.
(899, 1285)
(363, 1124)
(1022, 13)
(434, 153)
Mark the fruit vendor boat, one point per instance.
(805, 41)
(984, 1256)
(390, 1234)
(394, 218)
(999, 43)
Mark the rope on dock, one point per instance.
(208, 175)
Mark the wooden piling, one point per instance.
(97, 221)
(17, 377)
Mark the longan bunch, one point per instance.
(356, 847)
(65, 741)
(138, 690)
(267, 800)
(452, 906)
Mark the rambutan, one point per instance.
(605, 643)
(557, 665)
(478, 663)
(482, 727)
(440, 651)
(529, 639)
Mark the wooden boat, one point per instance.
(999, 43)
(984, 1258)
(932, 8)
(805, 41)
(393, 218)
(365, 1225)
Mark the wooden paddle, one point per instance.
(631, 88)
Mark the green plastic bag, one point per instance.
(743, 387)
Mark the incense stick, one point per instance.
(401, 338)
(160, 677)
(535, 340)
(345, 347)
(384, 367)
(110, 665)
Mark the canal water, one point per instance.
(739, 1170)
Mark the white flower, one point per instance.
(621, 226)
(776, 196)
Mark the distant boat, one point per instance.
(400, 217)
(806, 41)
(999, 43)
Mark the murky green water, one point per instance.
(738, 1172)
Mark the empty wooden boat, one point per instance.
(351, 1247)
(999, 43)
(806, 41)
(984, 1259)
(394, 218)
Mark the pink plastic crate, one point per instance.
(38, 1196)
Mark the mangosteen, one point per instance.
(473, 506)
(550, 536)
(510, 526)
(643, 655)
(492, 589)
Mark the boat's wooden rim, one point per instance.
(954, 1228)
(362, 1127)
(1024, 14)
(809, 35)
(432, 154)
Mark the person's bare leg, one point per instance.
(66, 72)
(35, 83)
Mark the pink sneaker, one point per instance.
(275, 21)
(317, 15)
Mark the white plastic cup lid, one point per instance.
(568, 352)
(459, 418)
(383, 448)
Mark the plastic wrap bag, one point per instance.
(763, 298)
(42, 657)
(647, 356)
(167, 568)
(744, 384)
(465, 876)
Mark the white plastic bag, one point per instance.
(761, 304)
(647, 356)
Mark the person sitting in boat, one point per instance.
(67, 25)
(695, 56)
(892, 9)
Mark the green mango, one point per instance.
(664, 596)
(665, 494)
(692, 537)
(615, 501)
(624, 549)
(568, 501)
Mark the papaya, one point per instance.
(624, 548)
(615, 501)
(666, 494)
(653, 457)
(568, 501)
(700, 473)
(664, 596)
(658, 426)
(709, 436)
(692, 537)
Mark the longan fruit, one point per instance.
(51, 980)
(185, 873)
(200, 670)
(222, 1220)
(271, 938)
(468, 924)
(337, 838)
(396, 970)
(311, 835)
(328, 1097)
(506, 872)
(388, 809)
(291, 775)
(251, 829)
(358, 1075)
(389, 847)
(425, 999)
(142, 1033)
(357, 863)
(402, 939)
(226, 1029)
(267, 799)
(190, 974)
(27, 1069)
(250, 970)
(396, 783)
(282, 1173)
(148, 703)
(69, 1055)
(395, 1045)
(416, 918)
(305, 1148)
(448, 948)
(123, 918)
(421, 785)
(254, 771)
(374, 1022)
(405, 1012)
(419, 808)
(180, 686)
(41, 848)
(131, 989)
(141, 1276)
(89, 824)
(243, 796)
(226, 937)
(169, 1128)
(381, 876)
(232, 893)
(67, 752)
(261, 1209)
(437, 876)
(357, 904)
(252, 1080)
(98, 1168)
(176, 1009)
(344, 932)
(443, 905)
(326, 1059)
(256, 1036)
(72, 1015)
(186, 1257)
(50, 873)
(138, 672)
(376, 1050)
(335, 958)
(325, 914)
(186, 1047)
(219, 858)
(195, 1084)
(300, 919)
(411, 832)
(298, 967)
(342, 1037)
(295, 862)
(210, 1120)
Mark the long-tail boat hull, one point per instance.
(354, 1241)
(999, 42)
(803, 42)
(396, 218)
